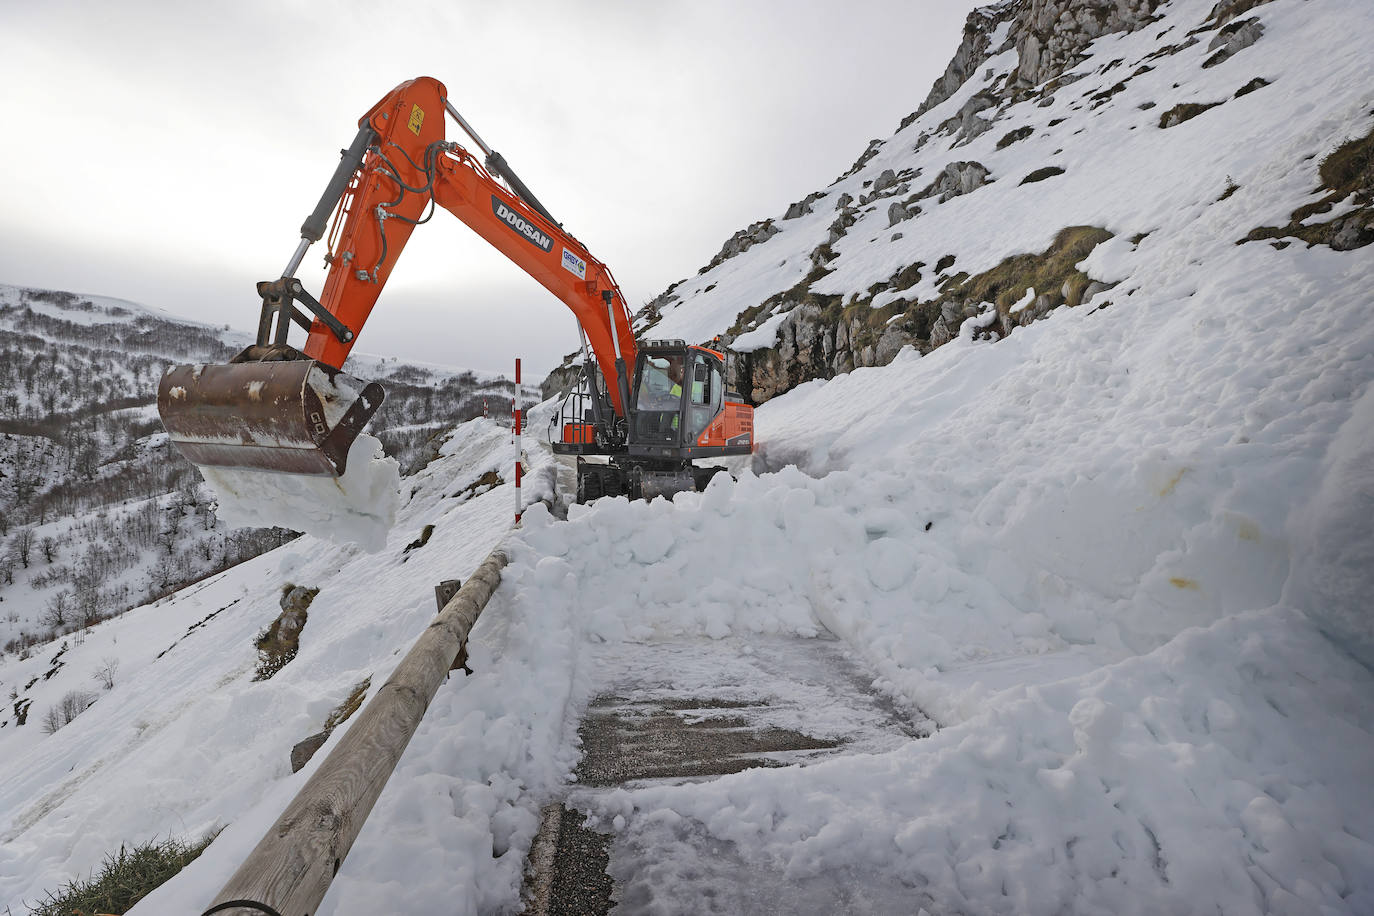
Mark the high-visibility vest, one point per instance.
(676, 391)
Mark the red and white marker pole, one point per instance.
(515, 410)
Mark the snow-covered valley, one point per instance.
(1116, 560)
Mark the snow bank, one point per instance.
(1334, 538)
(358, 508)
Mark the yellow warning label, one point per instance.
(417, 118)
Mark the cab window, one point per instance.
(705, 397)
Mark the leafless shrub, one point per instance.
(105, 674)
(68, 708)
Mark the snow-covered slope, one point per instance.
(97, 512)
(1120, 556)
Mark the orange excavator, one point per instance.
(638, 420)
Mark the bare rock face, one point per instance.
(1232, 39)
(1226, 10)
(803, 206)
(957, 178)
(897, 212)
(1048, 36)
(304, 750)
(975, 48)
(1051, 33)
(890, 344)
(966, 124)
(848, 217)
(743, 240)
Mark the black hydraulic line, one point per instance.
(431, 153)
(394, 174)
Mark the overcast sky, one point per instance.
(167, 152)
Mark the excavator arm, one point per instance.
(408, 170)
(276, 408)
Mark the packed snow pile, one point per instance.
(357, 508)
(1118, 552)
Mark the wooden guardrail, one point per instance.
(289, 871)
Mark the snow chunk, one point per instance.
(762, 337)
(1110, 261)
(1024, 301)
(359, 507)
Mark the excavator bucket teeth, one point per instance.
(291, 416)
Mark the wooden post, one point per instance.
(290, 869)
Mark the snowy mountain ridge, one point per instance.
(1118, 556)
(97, 512)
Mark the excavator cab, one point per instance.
(657, 409)
(680, 410)
(678, 394)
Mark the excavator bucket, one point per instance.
(294, 416)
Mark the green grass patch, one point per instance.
(1350, 167)
(1185, 112)
(1048, 171)
(1047, 271)
(1012, 136)
(125, 878)
(1346, 170)
(348, 707)
(278, 644)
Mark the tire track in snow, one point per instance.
(687, 710)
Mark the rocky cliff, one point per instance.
(982, 213)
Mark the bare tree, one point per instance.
(68, 708)
(21, 544)
(49, 546)
(58, 611)
(86, 585)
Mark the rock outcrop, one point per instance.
(1232, 39)
(743, 240)
(820, 337)
(1051, 34)
(974, 49)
